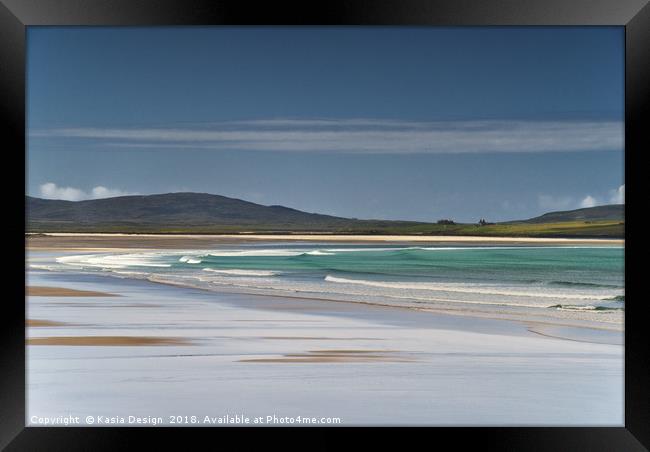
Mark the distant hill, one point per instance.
(614, 212)
(214, 214)
(174, 211)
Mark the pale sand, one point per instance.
(109, 242)
(107, 340)
(43, 291)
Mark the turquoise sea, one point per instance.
(561, 278)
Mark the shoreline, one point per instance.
(325, 306)
(268, 301)
(537, 322)
(128, 242)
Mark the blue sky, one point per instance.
(399, 123)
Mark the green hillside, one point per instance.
(201, 213)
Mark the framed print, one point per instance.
(353, 215)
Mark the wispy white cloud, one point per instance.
(588, 201)
(50, 190)
(617, 196)
(104, 192)
(365, 136)
(550, 203)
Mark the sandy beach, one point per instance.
(116, 242)
(107, 346)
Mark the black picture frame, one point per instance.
(16, 15)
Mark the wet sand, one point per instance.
(43, 323)
(335, 356)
